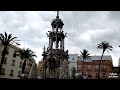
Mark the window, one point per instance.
(5, 61)
(103, 67)
(89, 67)
(14, 55)
(7, 50)
(97, 67)
(19, 73)
(83, 66)
(89, 75)
(79, 67)
(78, 71)
(13, 63)
(21, 58)
(72, 58)
(103, 74)
(20, 64)
(103, 77)
(11, 73)
(84, 74)
(96, 75)
(2, 71)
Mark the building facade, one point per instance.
(115, 73)
(40, 68)
(12, 66)
(119, 62)
(72, 62)
(90, 68)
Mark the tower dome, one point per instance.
(57, 23)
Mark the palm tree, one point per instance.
(85, 57)
(6, 40)
(26, 54)
(104, 46)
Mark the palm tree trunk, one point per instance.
(2, 59)
(23, 67)
(99, 64)
(82, 68)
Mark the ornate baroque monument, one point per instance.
(55, 54)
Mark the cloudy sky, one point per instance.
(85, 29)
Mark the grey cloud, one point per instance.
(85, 29)
(114, 15)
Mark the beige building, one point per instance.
(12, 65)
(119, 62)
(40, 68)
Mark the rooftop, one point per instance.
(105, 57)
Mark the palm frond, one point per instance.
(2, 38)
(27, 53)
(7, 39)
(85, 55)
(11, 39)
(105, 46)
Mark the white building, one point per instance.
(72, 61)
(119, 62)
(12, 65)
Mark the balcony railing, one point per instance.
(2, 73)
(4, 62)
(103, 70)
(20, 66)
(103, 77)
(12, 64)
(97, 69)
(7, 52)
(11, 75)
(89, 69)
(18, 76)
(14, 55)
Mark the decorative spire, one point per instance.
(44, 49)
(57, 23)
(57, 14)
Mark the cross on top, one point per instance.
(57, 14)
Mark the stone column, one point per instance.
(61, 43)
(49, 41)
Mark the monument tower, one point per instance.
(54, 54)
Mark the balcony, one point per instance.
(2, 73)
(11, 75)
(20, 66)
(4, 62)
(18, 76)
(12, 64)
(89, 76)
(103, 70)
(89, 69)
(14, 55)
(103, 77)
(97, 69)
(7, 52)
